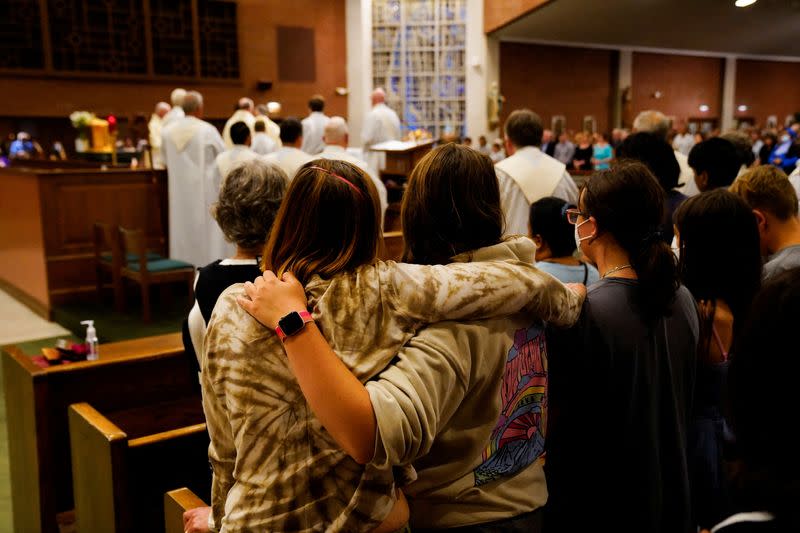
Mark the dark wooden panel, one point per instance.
(21, 35)
(296, 56)
(91, 36)
(219, 47)
(173, 38)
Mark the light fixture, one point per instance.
(273, 108)
(742, 108)
(744, 3)
(704, 108)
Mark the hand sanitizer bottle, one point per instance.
(91, 341)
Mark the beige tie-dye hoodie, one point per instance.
(275, 466)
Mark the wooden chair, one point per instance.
(392, 246)
(123, 463)
(151, 272)
(107, 260)
(177, 502)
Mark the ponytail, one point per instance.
(657, 270)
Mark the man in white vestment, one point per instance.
(381, 124)
(336, 137)
(190, 147)
(527, 174)
(314, 126)
(683, 140)
(154, 133)
(262, 144)
(244, 113)
(223, 164)
(657, 123)
(176, 98)
(273, 130)
(289, 156)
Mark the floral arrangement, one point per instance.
(81, 119)
(418, 135)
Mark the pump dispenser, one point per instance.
(91, 341)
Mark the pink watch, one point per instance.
(292, 324)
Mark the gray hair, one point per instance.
(652, 121)
(192, 102)
(177, 96)
(335, 131)
(246, 103)
(248, 202)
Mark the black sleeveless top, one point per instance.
(212, 281)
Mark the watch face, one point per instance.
(291, 323)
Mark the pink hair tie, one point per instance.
(358, 191)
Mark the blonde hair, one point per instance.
(767, 188)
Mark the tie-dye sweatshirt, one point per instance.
(275, 467)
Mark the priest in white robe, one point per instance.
(176, 98)
(528, 174)
(190, 147)
(245, 112)
(289, 156)
(273, 130)
(314, 126)
(336, 138)
(380, 125)
(262, 144)
(154, 133)
(223, 164)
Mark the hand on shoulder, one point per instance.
(268, 299)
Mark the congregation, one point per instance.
(346, 393)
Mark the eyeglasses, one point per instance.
(573, 214)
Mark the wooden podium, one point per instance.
(401, 157)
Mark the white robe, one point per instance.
(154, 128)
(223, 164)
(514, 198)
(313, 132)
(381, 124)
(686, 182)
(273, 130)
(289, 159)
(262, 144)
(173, 114)
(190, 147)
(339, 152)
(240, 115)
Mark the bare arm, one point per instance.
(335, 395)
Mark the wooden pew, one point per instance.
(123, 462)
(128, 374)
(177, 502)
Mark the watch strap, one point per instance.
(305, 315)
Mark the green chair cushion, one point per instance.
(161, 265)
(151, 256)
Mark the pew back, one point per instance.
(138, 372)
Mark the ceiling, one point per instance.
(769, 27)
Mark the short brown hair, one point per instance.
(767, 188)
(248, 202)
(451, 205)
(316, 103)
(329, 222)
(524, 128)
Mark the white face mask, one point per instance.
(578, 238)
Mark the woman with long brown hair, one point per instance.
(465, 403)
(276, 468)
